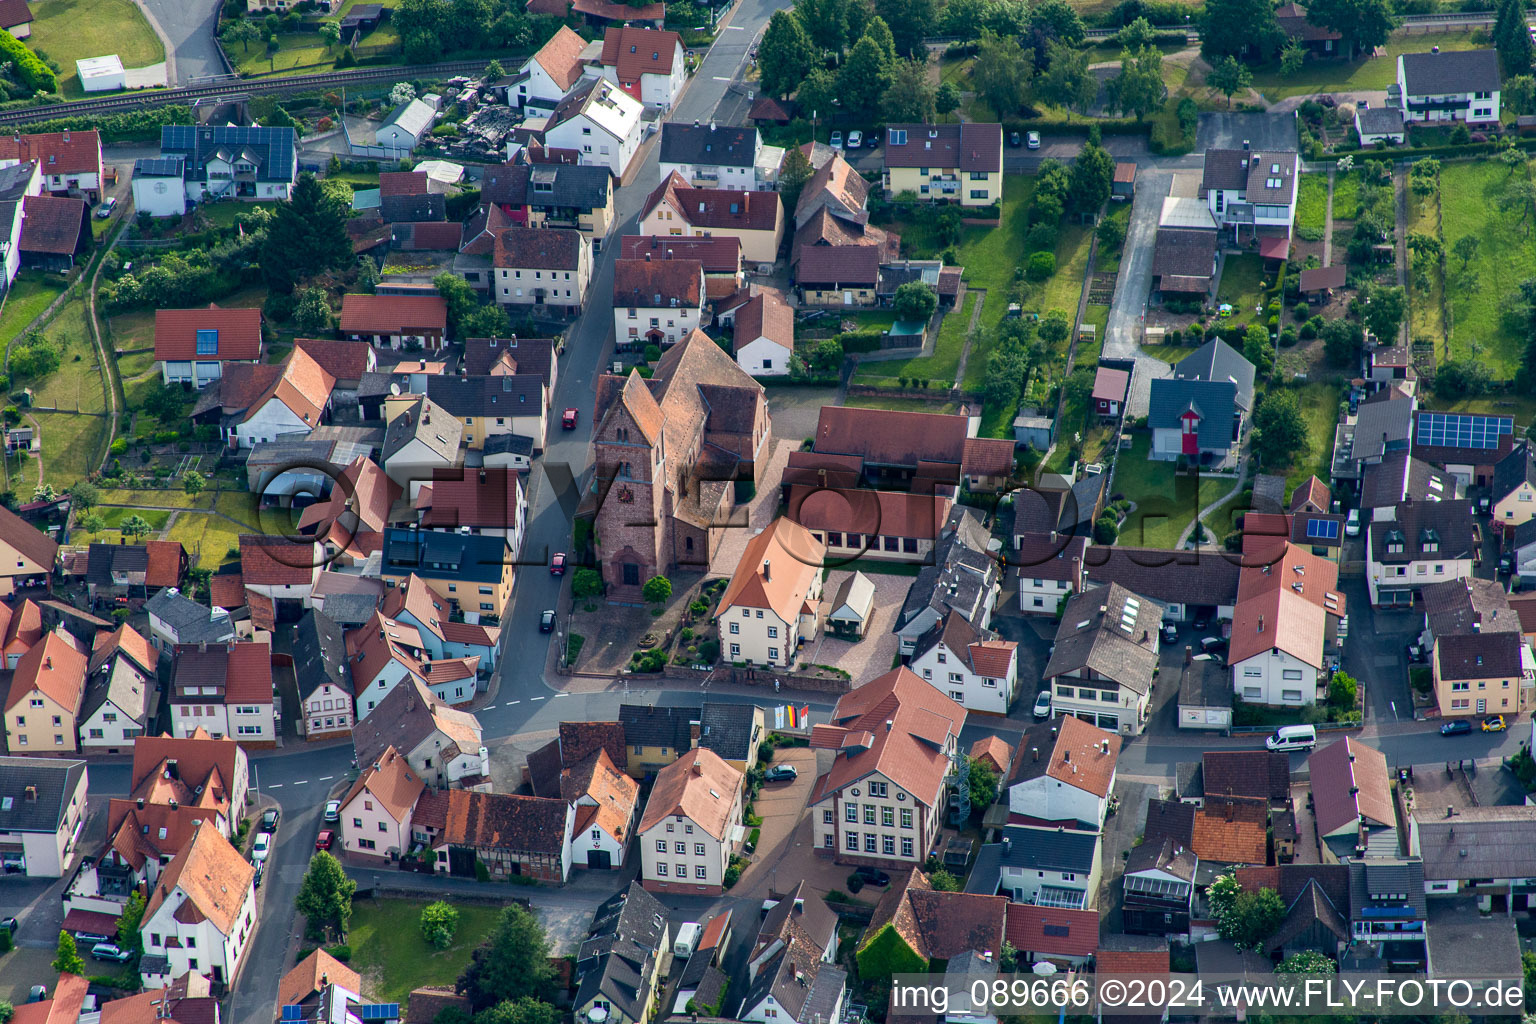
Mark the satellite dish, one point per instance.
(597, 1014)
(1044, 969)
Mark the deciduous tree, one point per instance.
(439, 923)
(1384, 313)
(1066, 81)
(134, 527)
(1292, 58)
(656, 590)
(911, 21)
(1364, 24)
(1093, 174)
(785, 54)
(909, 98)
(864, 77)
(1279, 430)
(312, 312)
(1138, 89)
(1001, 73)
(306, 236)
(67, 959)
(325, 895)
(1228, 76)
(914, 301)
(826, 21)
(1231, 28)
(513, 962)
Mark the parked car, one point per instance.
(547, 621)
(557, 564)
(262, 847)
(333, 810)
(38, 994)
(261, 869)
(1416, 654)
(855, 139)
(1032, 140)
(1043, 704)
(1202, 621)
(1352, 523)
(1212, 645)
(1170, 634)
(105, 209)
(1015, 139)
(1457, 728)
(269, 820)
(873, 876)
(325, 839)
(1495, 723)
(10, 924)
(81, 938)
(781, 773)
(110, 951)
(569, 417)
(836, 141)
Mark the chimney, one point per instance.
(325, 978)
(1066, 756)
(1036, 752)
(1189, 653)
(173, 803)
(1354, 790)
(799, 906)
(698, 767)
(47, 661)
(647, 257)
(1007, 845)
(1261, 623)
(31, 796)
(1229, 812)
(140, 802)
(766, 575)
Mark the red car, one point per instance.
(324, 840)
(557, 564)
(568, 419)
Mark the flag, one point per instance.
(805, 716)
(794, 717)
(778, 717)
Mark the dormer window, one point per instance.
(208, 342)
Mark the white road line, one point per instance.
(535, 698)
(724, 78)
(301, 782)
(562, 695)
(326, 778)
(489, 707)
(276, 785)
(511, 702)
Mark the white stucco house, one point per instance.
(1063, 775)
(1450, 86)
(1285, 628)
(1252, 193)
(976, 668)
(599, 121)
(42, 813)
(647, 63)
(764, 335)
(376, 812)
(711, 155)
(656, 302)
(201, 914)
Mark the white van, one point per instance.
(687, 939)
(1292, 737)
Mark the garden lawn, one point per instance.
(68, 30)
(1521, 407)
(1065, 288)
(393, 958)
(1346, 196)
(1088, 352)
(297, 50)
(1319, 403)
(1312, 206)
(76, 385)
(990, 255)
(1469, 198)
(223, 215)
(1242, 284)
(1367, 74)
(29, 296)
(899, 404)
(209, 539)
(1165, 502)
(157, 518)
(133, 330)
(1425, 318)
(155, 498)
(71, 446)
(940, 366)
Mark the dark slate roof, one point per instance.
(1312, 907)
(1383, 426)
(1218, 361)
(576, 186)
(708, 144)
(1225, 169)
(194, 623)
(617, 956)
(1206, 577)
(1479, 842)
(53, 780)
(435, 555)
(1215, 402)
(1170, 819)
(649, 726)
(1400, 476)
(727, 729)
(1047, 849)
(350, 609)
(1380, 120)
(105, 559)
(1452, 71)
(1514, 469)
(1184, 252)
(320, 652)
(961, 571)
(1384, 882)
(507, 444)
(1205, 684)
(1110, 633)
(1166, 856)
(518, 394)
(1448, 524)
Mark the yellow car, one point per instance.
(1494, 724)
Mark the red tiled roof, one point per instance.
(987, 456)
(128, 640)
(344, 360)
(1349, 782)
(1110, 384)
(654, 283)
(274, 561)
(227, 590)
(1027, 925)
(55, 668)
(428, 235)
(994, 750)
(839, 264)
(875, 513)
(561, 57)
(166, 558)
(766, 316)
(176, 332)
(392, 314)
(720, 254)
(490, 498)
(992, 658)
(1131, 961)
(71, 152)
(1287, 606)
(537, 248)
(1231, 832)
(633, 51)
(716, 207)
(403, 183)
(610, 11)
(51, 224)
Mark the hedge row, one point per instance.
(1416, 153)
(135, 126)
(34, 74)
(861, 341)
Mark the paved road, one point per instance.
(187, 26)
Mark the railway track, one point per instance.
(234, 87)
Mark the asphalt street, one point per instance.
(188, 28)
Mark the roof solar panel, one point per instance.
(293, 1013)
(1462, 430)
(1323, 529)
(379, 1011)
(1059, 931)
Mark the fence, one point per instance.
(371, 151)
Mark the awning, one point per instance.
(1274, 248)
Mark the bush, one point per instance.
(26, 66)
(1040, 266)
(482, 873)
(340, 952)
(855, 883)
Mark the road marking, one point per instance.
(562, 694)
(302, 782)
(734, 28)
(535, 698)
(724, 78)
(276, 785)
(326, 778)
(489, 707)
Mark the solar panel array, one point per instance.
(293, 1013)
(379, 1011)
(1461, 430)
(1323, 529)
(277, 142)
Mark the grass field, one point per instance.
(1242, 284)
(133, 330)
(156, 518)
(1312, 206)
(1425, 318)
(393, 958)
(211, 540)
(1320, 408)
(297, 50)
(69, 30)
(990, 254)
(1470, 204)
(76, 385)
(170, 498)
(1346, 196)
(31, 293)
(1065, 287)
(899, 404)
(1371, 73)
(1165, 501)
(70, 446)
(940, 366)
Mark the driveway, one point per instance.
(1260, 131)
(187, 28)
(1127, 310)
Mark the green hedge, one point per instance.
(135, 126)
(861, 341)
(1394, 153)
(34, 74)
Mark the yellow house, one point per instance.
(952, 162)
(26, 553)
(1483, 674)
(472, 572)
(571, 196)
(1514, 487)
(487, 406)
(756, 219)
(657, 736)
(45, 695)
(773, 601)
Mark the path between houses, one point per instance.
(1328, 220)
(970, 335)
(1400, 194)
(1237, 488)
